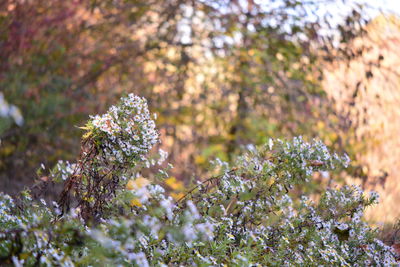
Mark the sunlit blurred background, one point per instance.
(219, 74)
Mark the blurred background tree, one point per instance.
(365, 93)
(220, 75)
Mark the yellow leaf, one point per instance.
(231, 236)
(320, 125)
(177, 196)
(200, 159)
(270, 181)
(135, 202)
(86, 135)
(174, 184)
(24, 256)
(137, 183)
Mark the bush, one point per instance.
(253, 213)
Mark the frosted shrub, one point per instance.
(255, 212)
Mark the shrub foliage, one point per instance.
(254, 212)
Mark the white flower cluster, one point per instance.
(340, 234)
(10, 111)
(41, 249)
(155, 230)
(327, 233)
(246, 216)
(163, 156)
(63, 169)
(127, 130)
